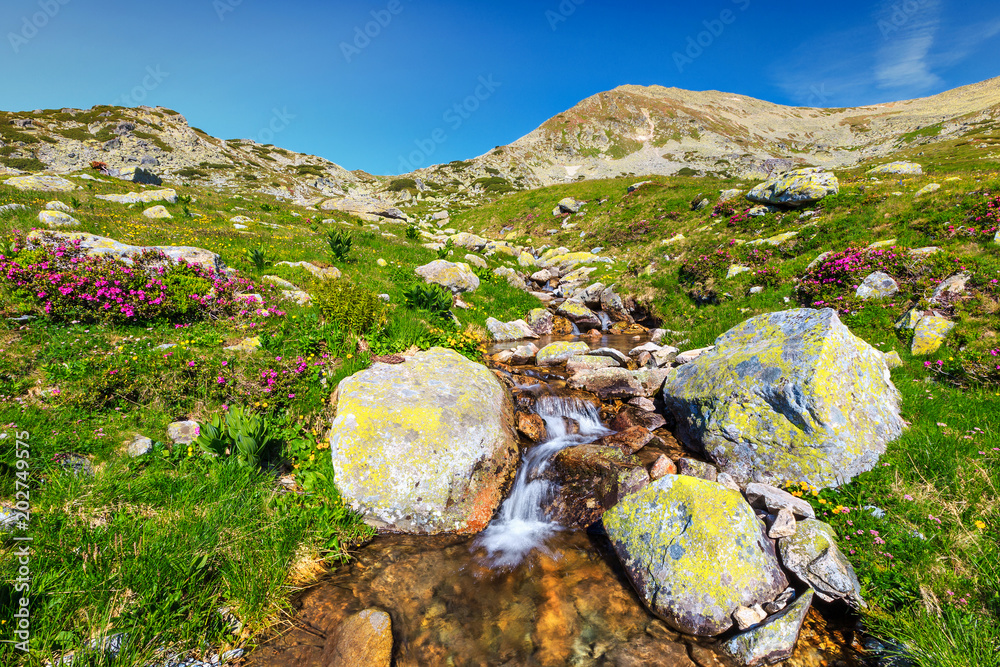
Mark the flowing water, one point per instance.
(521, 526)
(524, 592)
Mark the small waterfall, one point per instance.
(605, 320)
(576, 329)
(522, 526)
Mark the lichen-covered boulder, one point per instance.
(468, 241)
(57, 219)
(508, 331)
(591, 479)
(877, 285)
(557, 353)
(540, 320)
(513, 278)
(92, 244)
(800, 187)
(787, 396)
(695, 552)
(158, 212)
(41, 183)
(458, 277)
(612, 304)
(773, 640)
(812, 555)
(589, 362)
(898, 168)
(929, 334)
(145, 197)
(577, 313)
(427, 446)
(323, 273)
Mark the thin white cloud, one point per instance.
(903, 59)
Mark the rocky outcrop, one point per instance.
(695, 552)
(39, 183)
(796, 188)
(427, 446)
(100, 245)
(790, 395)
(145, 197)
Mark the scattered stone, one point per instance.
(589, 362)
(280, 282)
(57, 219)
(613, 305)
(424, 447)
(468, 241)
(699, 469)
(513, 278)
(327, 273)
(900, 168)
(928, 189)
(100, 245)
(877, 285)
(781, 601)
(629, 441)
(456, 277)
(643, 404)
(76, 464)
(675, 552)
(298, 296)
(41, 183)
(524, 354)
(245, 345)
(800, 187)
(362, 639)
(381, 262)
(631, 416)
(774, 500)
(540, 320)
(635, 186)
(611, 353)
(147, 197)
(569, 205)
(10, 208)
(783, 525)
(726, 480)
(140, 445)
(950, 289)
(508, 331)
(929, 334)
(735, 270)
(747, 617)
(692, 355)
(476, 261)
(577, 313)
(608, 383)
(812, 555)
(158, 212)
(727, 195)
(59, 206)
(183, 432)
(662, 467)
(757, 289)
(591, 479)
(788, 395)
(888, 243)
(532, 426)
(774, 640)
(557, 353)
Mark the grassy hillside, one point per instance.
(155, 546)
(922, 529)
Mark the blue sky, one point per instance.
(304, 75)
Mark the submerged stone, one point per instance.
(772, 641)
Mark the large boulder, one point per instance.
(101, 245)
(145, 197)
(39, 183)
(559, 352)
(427, 446)
(508, 331)
(591, 479)
(812, 555)
(791, 395)
(584, 318)
(695, 552)
(458, 277)
(800, 187)
(468, 241)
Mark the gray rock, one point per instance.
(57, 219)
(540, 320)
(589, 362)
(455, 277)
(950, 289)
(58, 206)
(612, 353)
(139, 446)
(800, 187)
(774, 640)
(783, 524)
(790, 395)
(774, 500)
(100, 245)
(747, 617)
(183, 432)
(900, 168)
(10, 208)
(690, 356)
(608, 383)
(524, 354)
(812, 555)
(700, 469)
(676, 552)
(569, 205)
(513, 278)
(476, 261)
(508, 331)
(580, 315)
(612, 304)
(560, 352)
(877, 285)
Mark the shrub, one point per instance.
(64, 283)
(412, 233)
(400, 184)
(348, 307)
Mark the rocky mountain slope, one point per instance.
(656, 130)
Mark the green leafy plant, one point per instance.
(432, 298)
(442, 253)
(240, 434)
(340, 244)
(412, 233)
(75, 202)
(258, 257)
